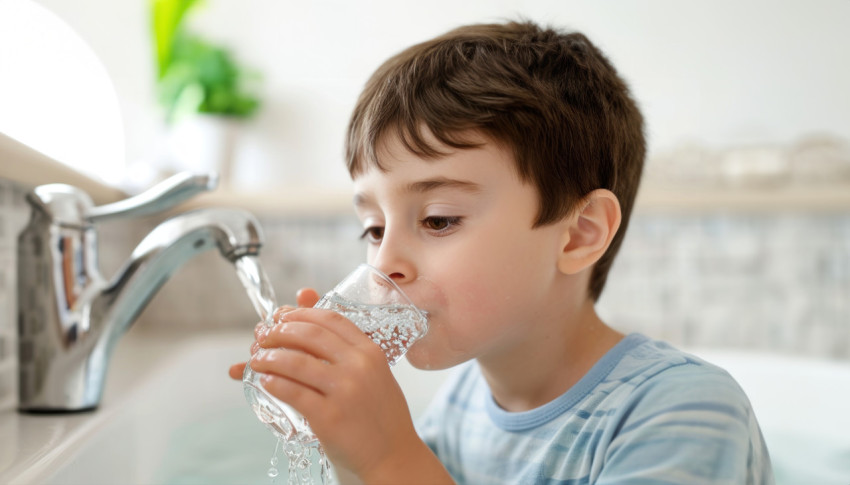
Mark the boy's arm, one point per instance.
(415, 465)
(412, 470)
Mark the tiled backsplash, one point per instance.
(777, 282)
(770, 281)
(13, 214)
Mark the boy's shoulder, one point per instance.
(647, 368)
(667, 402)
(643, 403)
(637, 375)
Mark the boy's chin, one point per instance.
(421, 359)
(416, 359)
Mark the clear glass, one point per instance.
(375, 303)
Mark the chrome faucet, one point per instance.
(69, 316)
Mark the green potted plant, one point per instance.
(203, 91)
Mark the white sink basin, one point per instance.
(187, 422)
(170, 415)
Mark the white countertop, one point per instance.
(146, 404)
(33, 445)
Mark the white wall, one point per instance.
(721, 73)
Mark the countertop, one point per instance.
(31, 446)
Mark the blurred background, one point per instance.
(741, 236)
(739, 243)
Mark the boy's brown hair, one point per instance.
(550, 97)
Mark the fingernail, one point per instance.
(284, 316)
(268, 355)
(282, 311)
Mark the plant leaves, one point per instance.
(195, 75)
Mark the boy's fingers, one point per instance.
(260, 329)
(307, 297)
(329, 320)
(280, 311)
(308, 338)
(236, 371)
(298, 367)
(303, 398)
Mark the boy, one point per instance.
(495, 169)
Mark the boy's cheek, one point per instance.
(428, 293)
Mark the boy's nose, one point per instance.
(394, 258)
(397, 271)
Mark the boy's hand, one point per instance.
(335, 376)
(331, 372)
(305, 297)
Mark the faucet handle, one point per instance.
(158, 198)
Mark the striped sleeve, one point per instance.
(685, 426)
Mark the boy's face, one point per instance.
(456, 235)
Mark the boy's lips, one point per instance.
(426, 295)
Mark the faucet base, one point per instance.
(43, 411)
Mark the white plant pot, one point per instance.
(204, 143)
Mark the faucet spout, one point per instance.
(163, 251)
(70, 318)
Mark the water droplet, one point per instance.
(272, 472)
(292, 448)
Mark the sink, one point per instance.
(186, 422)
(169, 415)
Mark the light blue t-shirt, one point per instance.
(646, 413)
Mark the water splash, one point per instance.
(258, 287)
(273, 471)
(298, 447)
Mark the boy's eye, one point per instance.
(440, 223)
(373, 234)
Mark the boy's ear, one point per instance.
(589, 230)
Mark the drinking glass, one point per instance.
(375, 303)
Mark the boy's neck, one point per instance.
(549, 361)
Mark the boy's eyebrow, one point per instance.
(441, 183)
(422, 186)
